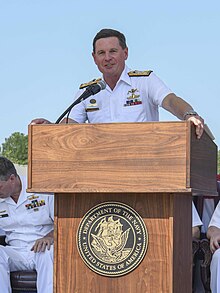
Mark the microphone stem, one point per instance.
(85, 95)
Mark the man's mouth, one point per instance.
(108, 65)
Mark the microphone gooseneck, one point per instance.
(90, 90)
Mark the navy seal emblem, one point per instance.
(112, 239)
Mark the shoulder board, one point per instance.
(139, 73)
(94, 81)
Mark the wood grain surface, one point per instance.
(166, 263)
(153, 167)
(120, 157)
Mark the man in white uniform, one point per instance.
(213, 234)
(27, 220)
(129, 96)
(196, 222)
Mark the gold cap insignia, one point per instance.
(139, 73)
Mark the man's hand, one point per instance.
(180, 108)
(198, 122)
(42, 243)
(40, 121)
(213, 234)
(45, 121)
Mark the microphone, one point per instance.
(94, 88)
(90, 90)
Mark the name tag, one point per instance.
(4, 216)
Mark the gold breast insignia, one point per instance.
(133, 98)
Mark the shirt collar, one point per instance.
(124, 77)
(23, 195)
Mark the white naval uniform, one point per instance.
(112, 105)
(196, 221)
(24, 222)
(108, 105)
(215, 263)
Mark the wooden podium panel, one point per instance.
(153, 167)
(167, 263)
(121, 157)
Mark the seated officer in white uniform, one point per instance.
(129, 96)
(27, 220)
(196, 223)
(213, 234)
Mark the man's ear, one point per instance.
(93, 55)
(12, 178)
(126, 53)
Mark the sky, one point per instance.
(46, 45)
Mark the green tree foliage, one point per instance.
(15, 148)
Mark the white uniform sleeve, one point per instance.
(51, 205)
(78, 112)
(157, 89)
(215, 220)
(196, 221)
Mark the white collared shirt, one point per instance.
(116, 105)
(27, 220)
(196, 221)
(215, 220)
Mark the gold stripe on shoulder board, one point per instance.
(139, 73)
(94, 81)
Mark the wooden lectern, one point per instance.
(155, 168)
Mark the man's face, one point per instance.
(6, 187)
(110, 57)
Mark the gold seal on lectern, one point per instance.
(112, 239)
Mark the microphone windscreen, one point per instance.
(102, 84)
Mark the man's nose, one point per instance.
(107, 56)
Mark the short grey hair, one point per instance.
(7, 169)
